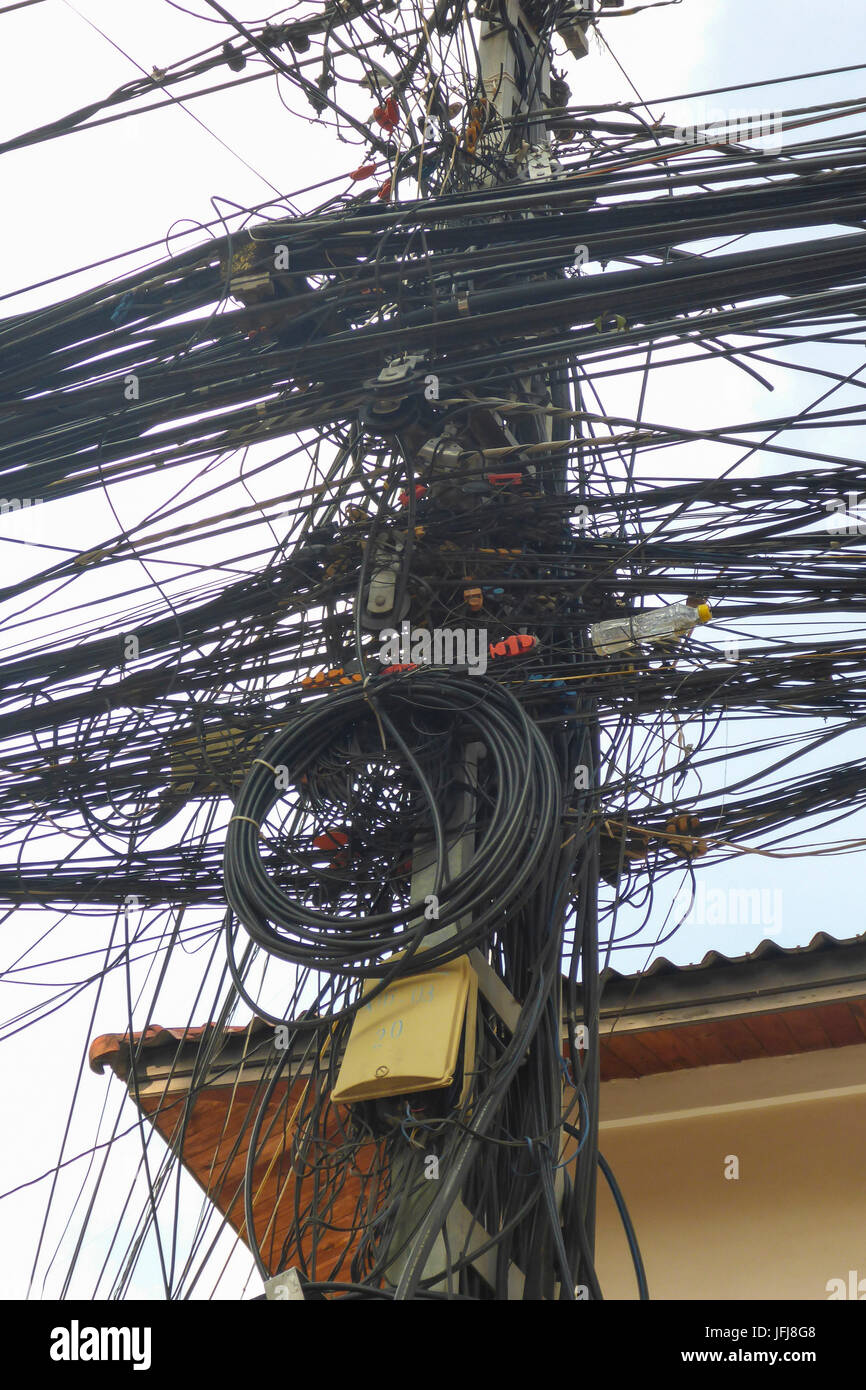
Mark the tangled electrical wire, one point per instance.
(513, 840)
(450, 370)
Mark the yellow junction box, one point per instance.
(408, 1038)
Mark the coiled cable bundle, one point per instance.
(516, 822)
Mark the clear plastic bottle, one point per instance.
(654, 625)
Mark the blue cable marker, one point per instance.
(121, 310)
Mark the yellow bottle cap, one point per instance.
(704, 612)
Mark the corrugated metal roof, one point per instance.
(665, 996)
(766, 950)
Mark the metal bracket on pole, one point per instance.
(285, 1287)
(498, 996)
(539, 163)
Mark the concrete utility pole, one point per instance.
(515, 78)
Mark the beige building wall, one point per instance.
(793, 1219)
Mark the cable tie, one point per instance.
(249, 819)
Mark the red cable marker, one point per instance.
(331, 839)
(518, 645)
(334, 840)
(420, 489)
(387, 116)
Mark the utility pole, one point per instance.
(507, 129)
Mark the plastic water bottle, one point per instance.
(660, 626)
